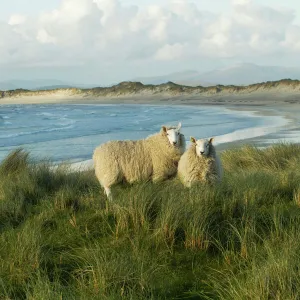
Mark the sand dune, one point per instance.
(276, 92)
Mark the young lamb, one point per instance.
(154, 158)
(200, 163)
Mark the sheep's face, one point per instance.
(173, 135)
(202, 146)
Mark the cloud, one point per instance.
(170, 52)
(106, 31)
(241, 2)
(16, 19)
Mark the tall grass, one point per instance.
(60, 239)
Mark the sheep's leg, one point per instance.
(108, 193)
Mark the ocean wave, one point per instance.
(65, 121)
(46, 114)
(19, 134)
(273, 124)
(142, 120)
(51, 129)
(51, 116)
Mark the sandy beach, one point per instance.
(268, 98)
(270, 103)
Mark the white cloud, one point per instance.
(16, 19)
(44, 37)
(97, 31)
(241, 2)
(170, 52)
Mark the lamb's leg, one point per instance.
(108, 193)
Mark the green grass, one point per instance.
(60, 239)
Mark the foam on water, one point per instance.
(71, 132)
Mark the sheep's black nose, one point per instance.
(202, 152)
(174, 143)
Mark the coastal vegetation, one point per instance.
(124, 89)
(61, 239)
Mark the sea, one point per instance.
(71, 132)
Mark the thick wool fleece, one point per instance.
(153, 158)
(193, 168)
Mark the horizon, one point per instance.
(91, 87)
(110, 41)
(176, 78)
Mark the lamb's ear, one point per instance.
(179, 126)
(164, 129)
(193, 140)
(211, 140)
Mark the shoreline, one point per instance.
(288, 122)
(267, 105)
(286, 90)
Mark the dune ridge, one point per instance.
(128, 88)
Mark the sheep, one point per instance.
(154, 158)
(200, 163)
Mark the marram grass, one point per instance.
(60, 239)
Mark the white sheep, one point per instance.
(200, 163)
(155, 158)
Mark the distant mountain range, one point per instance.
(185, 78)
(131, 89)
(40, 84)
(245, 74)
(241, 74)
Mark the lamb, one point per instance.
(200, 163)
(154, 158)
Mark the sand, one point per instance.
(285, 103)
(267, 97)
(269, 103)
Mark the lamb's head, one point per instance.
(203, 146)
(173, 134)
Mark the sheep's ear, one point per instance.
(179, 126)
(211, 140)
(193, 140)
(164, 129)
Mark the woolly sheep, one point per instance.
(155, 158)
(200, 163)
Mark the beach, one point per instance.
(280, 110)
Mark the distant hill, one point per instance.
(169, 89)
(191, 78)
(7, 86)
(39, 84)
(53, 87)
(240, 74)
(245, 74)
(30, 84)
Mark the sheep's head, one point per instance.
(173, 134)
(202, 146)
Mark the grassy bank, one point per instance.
(59, 239)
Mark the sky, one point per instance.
(107, 41)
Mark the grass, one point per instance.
(60, 239)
